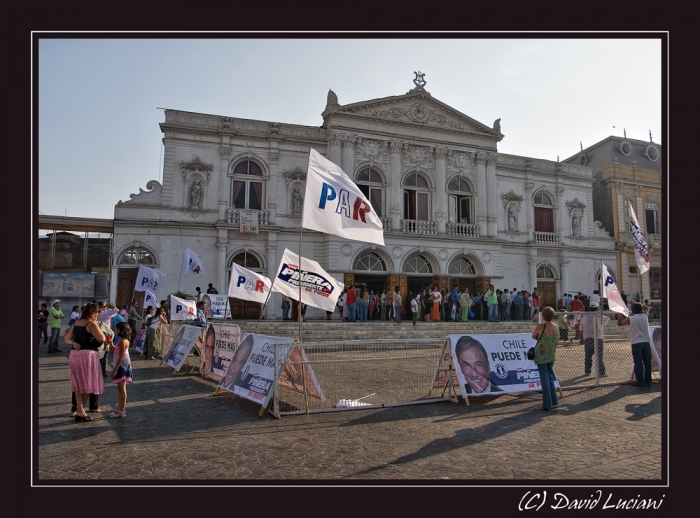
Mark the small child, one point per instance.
(75, 315)
(122, 367)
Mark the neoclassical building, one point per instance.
(455, 210)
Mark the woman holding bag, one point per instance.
(547, 336)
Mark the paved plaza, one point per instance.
(176, 430)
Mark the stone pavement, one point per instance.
(176, 429)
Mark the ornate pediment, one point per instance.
(417, 108)
(571, 205)
(196, 166)
(295, 174)
(150, 197)
(511, 197)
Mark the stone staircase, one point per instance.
(332, 331)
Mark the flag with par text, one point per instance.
(333, 204)
(191, 263)
(610, 292)
(149, 279)
(150, 299)
(318, 288)
(641, 251)
(248, 285)
(181, 309)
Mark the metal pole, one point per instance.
(299, 272)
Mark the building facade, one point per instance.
(628, 171)
(455, 210)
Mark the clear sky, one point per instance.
(99, 134)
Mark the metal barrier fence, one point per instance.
(371, 373)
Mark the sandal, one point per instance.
(82, 418)
(94, 410)
(114, 414)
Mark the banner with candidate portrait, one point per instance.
(219, 345)
(247, 285)
(191, 263)
(181, 346)
(218, 306)
(333, 204)
(298, 375)
(149, 279)
(318, 288)
(495, 364)
(181, 309)
(251, 372)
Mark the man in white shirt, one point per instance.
(595, 298)
(592, 325)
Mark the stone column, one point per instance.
(529, 210)
(275, 300)
(564, 274)
(562, 216)
(222, 185)
(440, 207)
(334, 148)
(222, 246)
(491, 214)
(349, 155)
(639, 210)
(273, 156)
(621, 223)
(394, 197)
(482, 193)
(532, 262)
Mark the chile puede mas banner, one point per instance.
(333, 204)
(318, 288)
(488, 364)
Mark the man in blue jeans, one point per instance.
(55, 316)
(641, 343)
(351, 301)
(397, 305)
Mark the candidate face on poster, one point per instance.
(487, 364)
(181, 346)
(220, 343)
(219, 307)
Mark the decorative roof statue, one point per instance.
(419, 80)
(497, 125)
(332, 99)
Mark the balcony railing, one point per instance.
(233, 216)
(547, 238)
(462, 230)
(414, 226)
(386, 224)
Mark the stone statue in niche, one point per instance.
(297, 200)
(196, 193)
(512, 222)
(576, 225)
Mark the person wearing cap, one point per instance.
(55, 316)
(592, 324)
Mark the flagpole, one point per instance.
(301, 231)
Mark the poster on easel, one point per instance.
(181, 346)
(298, 375)
(140, 341)
(495, 364)
(656, 333)
(444, 370)
(219, 345)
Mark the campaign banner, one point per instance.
(492, 364)
(656, 333)
(298, 375)
(248, 220)
(333, 204)
(641, 250)
(139, 341)
(247, 285)
(181, 345)
(149, 279)
(150, 299)
(444, 370)
(191, 263)
(220, 342)
(251, 372)
(181, 309)
(318, 288)
(610, 291)
(219, 306)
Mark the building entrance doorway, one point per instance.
(547, 292)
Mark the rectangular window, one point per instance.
(238, 195)
(246, 195)
(459, 209)
(544, 220)
(652, 215)
(255, 195)
(374, 196)
(633, 269)
(415, 205)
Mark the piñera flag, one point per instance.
(641, 251)
(248, 285)
(318, 288)
(149, 279)
(333, 204)
(191, 263)
(610, 292)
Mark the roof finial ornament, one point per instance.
(419, 80)
(580, 144)
(650, 140)
(624, 132)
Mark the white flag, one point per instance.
(150, 299)
(333, 204)
(181, 309)
(318, 288)
(149, 279)
(191, 263)
(248, 285)
(641, 251)
(610, 292)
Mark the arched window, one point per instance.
(460, 201)
(544, 212)
(545, 272)
(247, 186)
(136, 255)
(369, 261)
(462, 266)
(415, 197)
(247, 260)
(370, 183)
(417, 264)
